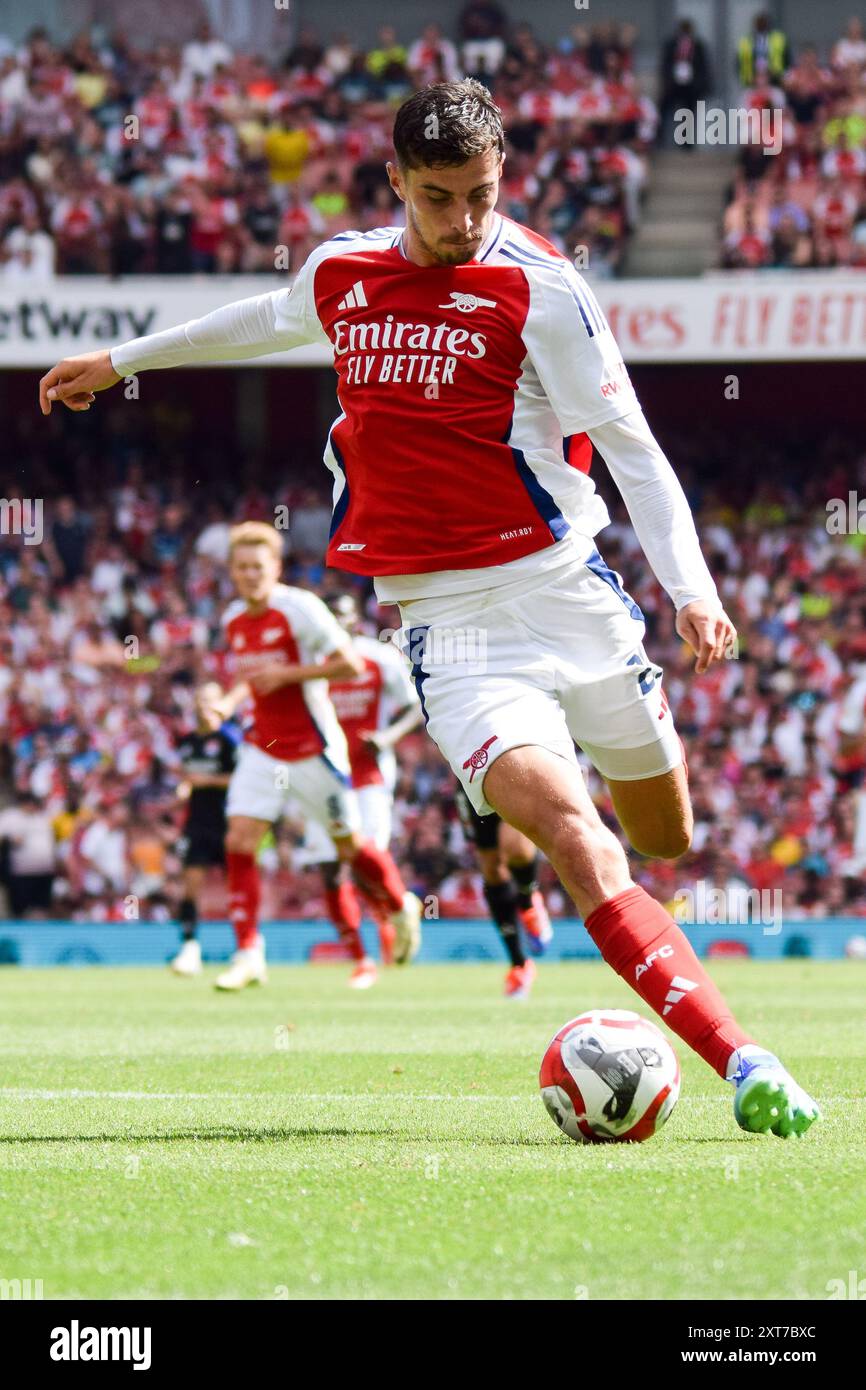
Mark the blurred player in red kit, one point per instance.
(375, 708)
(285, 646)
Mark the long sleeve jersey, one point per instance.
(471, 397)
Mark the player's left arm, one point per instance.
(663, 523)
(580, 368)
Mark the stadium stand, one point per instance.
(193, 158)
(805, 206)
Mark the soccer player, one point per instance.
(475, 368)
(285, 646)
(375, 709)
(509, 868)
(207, 757)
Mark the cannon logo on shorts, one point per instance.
(479, 758)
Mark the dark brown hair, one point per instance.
(447, 123)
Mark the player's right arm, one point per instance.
(273, 322)
(216, 712)
(339, 665)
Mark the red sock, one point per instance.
(345, 913)
(387, 933)
(646, 947)
(244, 895)
(378, 876)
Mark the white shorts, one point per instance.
(375, 804)
(263, 787)
(558, 662)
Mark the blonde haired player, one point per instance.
(285, 646)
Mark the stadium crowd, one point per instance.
(192, 158)
(804, 206)
(182, 158)
(109, 624)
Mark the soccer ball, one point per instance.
(609, 1075)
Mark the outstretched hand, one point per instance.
(708, 630)
(74, 381)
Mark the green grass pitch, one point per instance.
(158, 1140)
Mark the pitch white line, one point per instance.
(324, 1097)
(25, 1093)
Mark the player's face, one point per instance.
(254, 570)
(448, 210)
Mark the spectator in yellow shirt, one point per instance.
(286, 151)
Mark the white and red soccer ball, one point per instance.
(609, 1076)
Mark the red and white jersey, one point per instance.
(296, 628)
(370, 701)
(845, 164)
(461, 389)
(75, 217)
(834, 211)
(545, 106)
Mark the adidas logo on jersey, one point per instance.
(466, 303)
(356, 298)
(680, 987)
